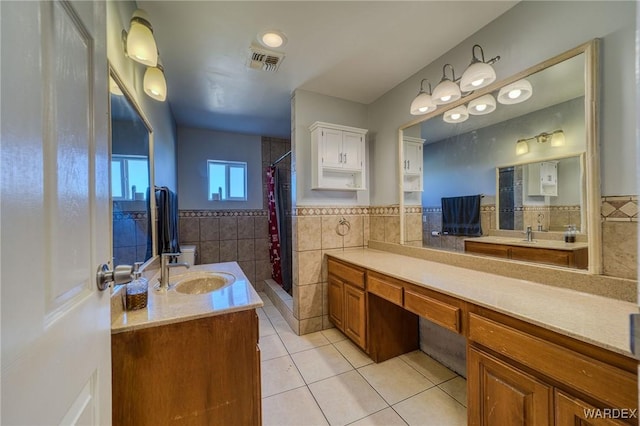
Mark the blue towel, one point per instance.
(461, 216)
(167, 204)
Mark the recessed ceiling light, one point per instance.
(272, 38)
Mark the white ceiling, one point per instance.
(354, 50)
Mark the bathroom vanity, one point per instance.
(572, 255)
(536, 354)
(189, 358)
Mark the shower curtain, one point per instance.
(279, 223)
(274, 234)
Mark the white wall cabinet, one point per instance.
(338, 157)
(543, 179)
(412, 164)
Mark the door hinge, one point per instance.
(634, 337)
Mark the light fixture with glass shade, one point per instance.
(515, 93)
(555, 139)
(479, 73)
(423, 102)
(154, 82)
(456, 115)
(522, 147)
(446, 91)
(483, 105)
(139, 42)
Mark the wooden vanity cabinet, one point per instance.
(570, 258)
(347, 301)
(520, 374)
(198, 372)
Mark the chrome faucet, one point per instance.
(529, 234)
(165, 266)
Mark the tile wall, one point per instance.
(620, 236)
(130, 230)
(316, 231)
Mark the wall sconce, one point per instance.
(155, 85)
(515, 93)
(139, 43)
(447, 90)
(456, 115)
(483, 105)
(556, 139)
(423, 103)
(479, 73)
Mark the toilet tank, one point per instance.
(188, 254)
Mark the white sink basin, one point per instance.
(202, 282)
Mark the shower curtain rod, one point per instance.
(280, 159)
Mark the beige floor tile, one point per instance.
(428, 367)
(432, 407)
(271, 347)
(295, 343)
(320, 363)
(386, 417)
(265, 328)
(279, 375)
(293, 408)
(281, 325)
(346, 398)
(353, 354)
(334, 335)
(457, 388)
(395, 380)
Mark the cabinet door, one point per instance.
(571, 411)
(352, 147)
(331, 148)
(412, 158)
(355, 315)
(500, 394)
(335, 292)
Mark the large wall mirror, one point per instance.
(131, 178)
(531, 165)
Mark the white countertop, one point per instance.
(171, 307)
(536, 243)
(593, 319)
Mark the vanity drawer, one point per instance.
(346, 273)
(496, 250)
(385, 287)
(593, 377)
(434, 310)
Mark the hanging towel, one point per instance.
(461, 215)
(167, 203)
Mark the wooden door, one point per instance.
(335, 301)
(571, 411)
(352, 150)
(56, 366)
(331, 148)
(355, 315)
(500, 394)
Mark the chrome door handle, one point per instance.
(120, 275)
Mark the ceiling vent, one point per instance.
(263, 59)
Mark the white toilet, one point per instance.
(188, 254)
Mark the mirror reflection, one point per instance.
(525, 161)
(130, 177)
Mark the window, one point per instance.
(227, 180)
(129, 177)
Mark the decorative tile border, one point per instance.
(330, 211)
(129, 215)
(485, 208)
(221, 213)
(619, 208)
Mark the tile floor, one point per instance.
(324, 379)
